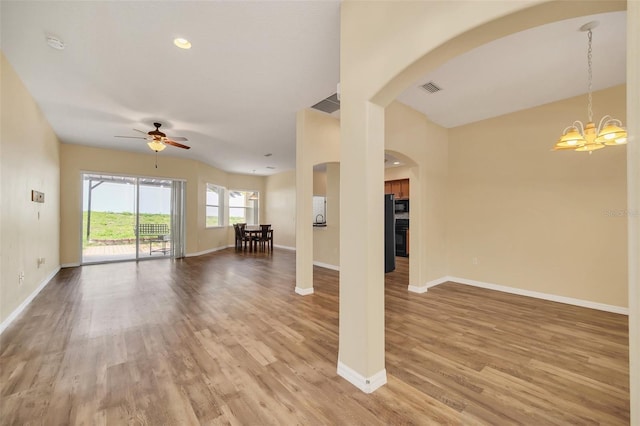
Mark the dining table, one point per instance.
(254, 231)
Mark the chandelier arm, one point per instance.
(607, 120)
(578, 125)
(603, 122)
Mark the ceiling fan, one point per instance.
(158, 140)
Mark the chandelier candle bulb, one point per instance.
(588, 138)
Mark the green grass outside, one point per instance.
(109, 226)
(117, 226)
(212, 221)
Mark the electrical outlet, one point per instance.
(474, 260)
(37, 196)
(41, 261)
(21, 278)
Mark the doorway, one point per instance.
(131, 218)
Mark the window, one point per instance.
(214, 205)
(243, 207)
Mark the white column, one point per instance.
(633, 201)
(361, 350)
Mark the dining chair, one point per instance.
(238, 234)
(244, 237)
(266, 237)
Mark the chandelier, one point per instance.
(588, 138)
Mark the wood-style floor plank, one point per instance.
(222, 339)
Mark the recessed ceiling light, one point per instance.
(395, 163)
(182, 43)
(55, 42)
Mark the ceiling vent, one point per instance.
(328, 105)
(431, 87)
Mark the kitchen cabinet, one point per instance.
(399, 188)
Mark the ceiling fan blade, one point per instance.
(178, 138)
(130, 137)
(140, 131)
(176, 144)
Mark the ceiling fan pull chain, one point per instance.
(156, 159)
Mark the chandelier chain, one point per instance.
(590, 76)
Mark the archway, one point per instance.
(326, 215)
(385, 47)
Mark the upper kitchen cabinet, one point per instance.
(399, 188)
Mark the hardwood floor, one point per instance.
(223, 339)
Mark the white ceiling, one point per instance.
(234, 95)
(253, 65)
(526, 69)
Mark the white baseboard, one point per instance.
(284, 247)
(327, 266)
(427, 286)
(28, 300)
(545, 296)
(69, 265)
(304, 291)
(365, 384)
(200, 253)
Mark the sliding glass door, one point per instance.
(128, 218)
(154, 218)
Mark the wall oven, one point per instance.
(402, 237)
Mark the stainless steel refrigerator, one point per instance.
(389, 234)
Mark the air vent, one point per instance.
(431, 87)
(328, 105)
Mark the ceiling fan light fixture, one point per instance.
(156, 145)
(182, 43)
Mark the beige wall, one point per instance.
(411, 134)
(76, 159)
(317, 142)
(535, 219)
(280, 209)
(30, 159)
(633, 202)
(326, 240)
(320, 183)
(394, 173)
